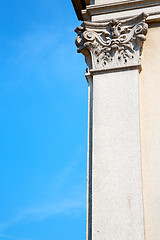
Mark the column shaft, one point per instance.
(117, 209)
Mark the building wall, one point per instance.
(150, 131)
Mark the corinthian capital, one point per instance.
(112, 44)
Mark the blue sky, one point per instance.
(43, 122)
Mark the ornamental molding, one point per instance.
(112, 44)
(122, 10)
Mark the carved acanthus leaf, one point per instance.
(111, 44)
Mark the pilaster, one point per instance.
(112, 51)
(111, 39)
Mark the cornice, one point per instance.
(79, 5)
(122, 10)
(123, 5)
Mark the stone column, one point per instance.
(124, 129)
(112, 51)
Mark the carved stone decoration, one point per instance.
(112, 44)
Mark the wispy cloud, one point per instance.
(67, 171)
(3, 236)
(50, 207)
(40, 53)
(42, 212)
(73, 204)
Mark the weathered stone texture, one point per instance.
(117, 211)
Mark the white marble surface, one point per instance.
(117, 211)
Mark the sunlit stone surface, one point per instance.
(123, 126)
